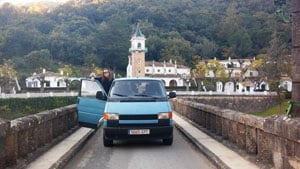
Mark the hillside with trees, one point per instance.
(83, 33)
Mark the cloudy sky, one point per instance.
(29, 1)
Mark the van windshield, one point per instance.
(142, 89)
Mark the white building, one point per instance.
(235, 67)
(170, 73)
(52, 80)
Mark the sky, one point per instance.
(29, 1)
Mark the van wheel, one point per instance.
(107, 142)
(168, 141)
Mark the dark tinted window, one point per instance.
(137, 88)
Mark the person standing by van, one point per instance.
(106, 80)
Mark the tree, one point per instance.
(211, 68)
(38, 60)
(201, 70)
(275, 64)
(177, 49)
(276, 61)
(216, 68)
(113, 43)
(8, 77)
(208, 48)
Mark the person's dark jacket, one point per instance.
(105, 82)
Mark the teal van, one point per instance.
(135, 108)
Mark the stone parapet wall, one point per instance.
(239, 103)
(22, 137)
(274, 141)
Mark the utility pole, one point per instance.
(296, 58)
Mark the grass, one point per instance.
(273, 110)
(17, 107)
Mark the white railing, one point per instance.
(32, 95)
(191, 93)
(179, 93)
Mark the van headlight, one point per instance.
(166, 115)
(111, 116)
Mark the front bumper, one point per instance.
(122, 133)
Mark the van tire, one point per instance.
(168, 141)
(107, 142)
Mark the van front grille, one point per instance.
(138, 117)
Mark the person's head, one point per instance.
(106, 73)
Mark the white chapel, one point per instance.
(169, 72)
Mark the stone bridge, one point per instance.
(273, 141)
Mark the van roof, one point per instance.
(137, 78)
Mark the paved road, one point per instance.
(139, 155)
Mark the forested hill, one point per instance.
(98, 31)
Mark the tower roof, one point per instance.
(138, 32)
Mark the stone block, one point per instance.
(290, 163)
(48, 131)
(295, 73)
(277, 160)
(297, 151)
(22, 143)
(284, 146)
(293, 128)
(225, 128)
(198, 116)
(296, 92)
(208, 121)
(241, 136)
(265, 143)
(279, 127)
(11, 149)
(295, 6)
(4, 127)
(55, 127)
(32, 141)
(296, 29)
(203, 118)
(232, 133)
(251, 140)
(4, 131)
(213, 122)
(2, 152)
(218, 125)
(254, 121)
(268, 125)
(296, 56)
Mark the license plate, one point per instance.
(139, 132)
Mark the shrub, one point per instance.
(15, 107)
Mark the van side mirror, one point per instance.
(172, 95)
(100, 95)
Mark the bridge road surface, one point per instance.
(139, 155)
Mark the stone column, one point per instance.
(296, 56)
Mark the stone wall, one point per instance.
(274, 141)
(235, 102)
(23, 137)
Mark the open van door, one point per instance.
(90, 109)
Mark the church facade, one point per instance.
(170, 73)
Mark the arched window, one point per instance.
(139, 45)
(173, 83)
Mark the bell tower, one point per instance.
(137, 51)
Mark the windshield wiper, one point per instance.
(118, 94)
(143, 95)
